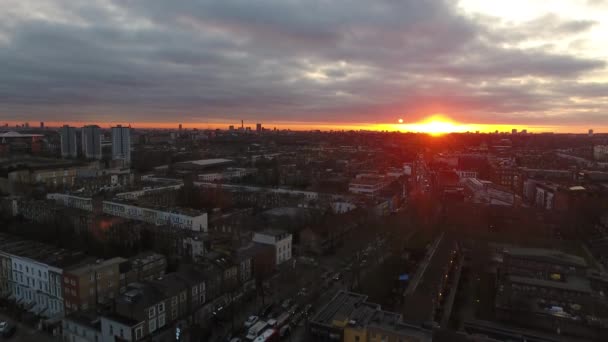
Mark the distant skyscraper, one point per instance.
(121, 144)
(524, 131)
(590, 132)
(514, 131)
(258, 127)
(41, 124)
(68, 142)
(180, 127)
(231, 128)
(91, 142)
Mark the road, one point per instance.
(26, 333)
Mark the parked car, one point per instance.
(251, 321)
(266, 310)
(285, 331)
(7, 329)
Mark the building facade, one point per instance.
(91, 283)
(280, 240)
(69, 147)
(121, 144)
(91, 142)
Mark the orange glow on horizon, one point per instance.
(437, 124)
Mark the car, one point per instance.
(272, 322)
(286, 303)
(251, 321)
(218, 309)
(285, 331)
(7, 329)
(266, 310)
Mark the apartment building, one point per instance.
(72, 201)
(177, 217)
(90, 283)
(35, 281)
(280, 240)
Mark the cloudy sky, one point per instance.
(517, 62)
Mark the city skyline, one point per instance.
(302, 65)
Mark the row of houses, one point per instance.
(177, 217)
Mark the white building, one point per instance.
(72, 201)
(91, 142)
(37, 286)
(133, 195)
(342, 207)
(121, 144)
(466, 174)
(600, 152)
(367, 184)
(185, 219)
(194, 247)
(67, 135)
(281, 241)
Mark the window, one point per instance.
(139, 332)
(73, 282)
(111, 330)
(161, 320)
(27, 269)
(66, 280)
(174, 301)
(182, 296)
(92, 277)
(194, 290)
(151, 312)
(152, 325)
(161, 308)
(122, 333)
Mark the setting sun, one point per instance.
(436, 125)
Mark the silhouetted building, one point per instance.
(121, 144)
(91, 142)
(68, 142)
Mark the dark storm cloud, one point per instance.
(311, 60)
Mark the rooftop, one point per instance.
(339, 309)
(572, 283)
(12, 134)
(548, 254)
(38, 251)
(207, 162)
(90, 264)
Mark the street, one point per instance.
(26, 333)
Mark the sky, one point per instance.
(324, 63)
